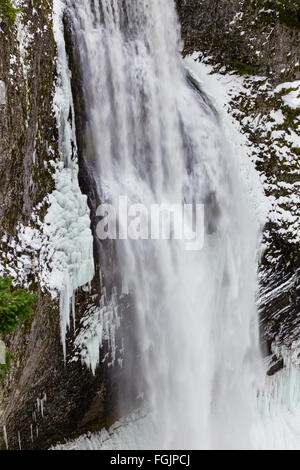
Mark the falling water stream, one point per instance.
(156, 140)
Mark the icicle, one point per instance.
(68, 216)
(5, 437)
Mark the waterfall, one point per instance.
(152, 137)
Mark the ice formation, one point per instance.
(67, 220)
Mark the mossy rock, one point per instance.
(8, 12)
(288, 11)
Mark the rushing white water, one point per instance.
(277, 425)
(155, 140)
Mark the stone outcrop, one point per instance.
(42, 399)
(250, 36)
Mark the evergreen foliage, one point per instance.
(15, 306)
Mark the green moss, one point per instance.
(288, 11)
(7, 11)
(15, 306)
(296, 151)
(243, 68)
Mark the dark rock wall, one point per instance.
(27, 124)
(42, 400)
(232, 32)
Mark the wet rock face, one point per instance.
(251, 36)
(27, 142)
(42, 399)
(45, 401)
(27, 124)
